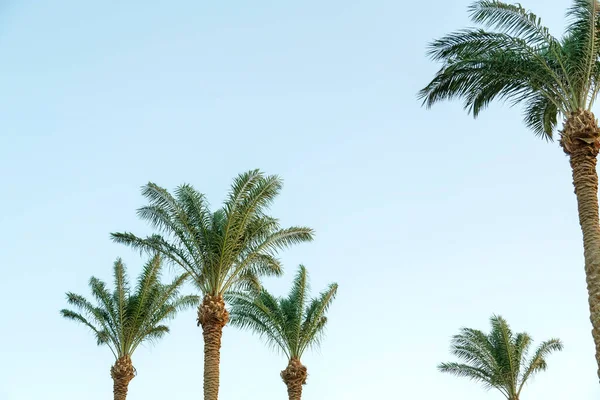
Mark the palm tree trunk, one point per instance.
(122, 373)
(581, 141)
(294, 376)
(213, 316)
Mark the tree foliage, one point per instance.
(500, 359)
(515, 58)
(228, 249)
(291, 324)
(124, 318)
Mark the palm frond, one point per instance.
(262, 315)
(538, 361)
(540, 115)
(467, 371)
(481, 66)
(582, 45)
(157, 244)
(141, 302)
(315, 319)
(513, 20)
(294, 307)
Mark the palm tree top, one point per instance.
(228, 249)
(291, 324)
(499, 359)
(125, 318)
(515, 58)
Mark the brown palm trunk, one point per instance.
(581, 141)
(294, 376)
(213, 316)
(122, 373)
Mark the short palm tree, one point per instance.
(499, 359)
(517, 59)
(229, 249)
(290, 324)
(124, 319)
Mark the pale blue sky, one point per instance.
(428, 220)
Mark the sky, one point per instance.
(427, 219)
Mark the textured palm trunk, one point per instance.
(294, 376)
(581, 141)
(213, 316)
(122, 373)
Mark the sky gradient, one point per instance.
(428, 220)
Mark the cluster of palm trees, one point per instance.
(224, 254)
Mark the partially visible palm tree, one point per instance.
(124, 319)
(226, 250)
(290, 324)
(518, 60)
(499, 359)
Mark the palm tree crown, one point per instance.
(520, 61)
(291, 324)
(228, 249)
(499, 359)
(124, 319)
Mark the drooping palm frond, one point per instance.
(124, 319)
(229, 249)
(291, 324)
(537, 362)
(518, 60)
(499, 359)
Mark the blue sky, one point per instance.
(428, 220)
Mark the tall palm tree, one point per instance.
(229, 249)
(499, 359)
(291, 324)
(517, 59)
(124, 319)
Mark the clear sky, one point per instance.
(428, 220)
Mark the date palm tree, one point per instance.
(124, 319)
(229, 249)
(516, 59)
(499, 359)
(291, 324)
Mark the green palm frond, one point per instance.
(229, 249)
(291, 324)
(515, 58)
(538, 361)
(582, 42)
(513, 20)
(124, 319)
(315, 319)
(260, 314)
(498, 359)
(479, 375)
(540, 116)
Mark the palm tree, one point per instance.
(517, 59)
(499, 359)
(290, 324)
(229, 249)
(124, 319)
